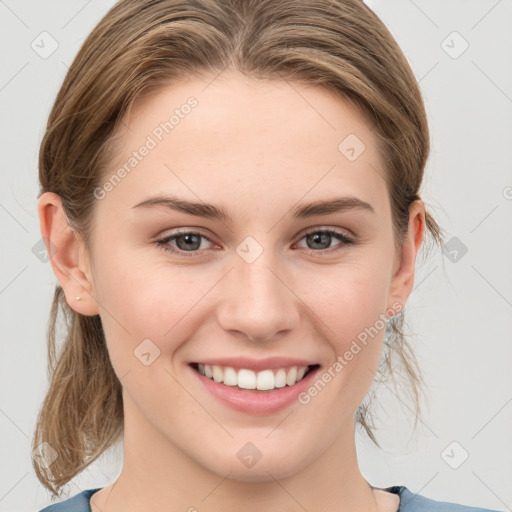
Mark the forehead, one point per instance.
(255, 140)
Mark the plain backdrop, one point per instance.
(460, 311)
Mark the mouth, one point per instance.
(247, 379)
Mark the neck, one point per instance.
(158, 476)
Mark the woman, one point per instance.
(230, 199)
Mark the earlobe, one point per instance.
(67, 255)
(403, 280)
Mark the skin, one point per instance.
(256, 148)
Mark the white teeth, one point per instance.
(248, 379)
(230, 377)
(218, 374)
(291, 378)
(280, 378)
(265, 380)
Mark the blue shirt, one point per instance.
(409, 502)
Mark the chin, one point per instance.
(266, 473)
(268, 468)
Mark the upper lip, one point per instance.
(270, 363)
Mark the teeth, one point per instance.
(280, 378)
(291, 378)
(230, 377)
(248, 379)
(265, 380)
(218, 374)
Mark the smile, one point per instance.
(245, 378)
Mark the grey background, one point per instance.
(459, 312)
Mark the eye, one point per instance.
(319, 240)
(188, 243)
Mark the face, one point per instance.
(267, 286)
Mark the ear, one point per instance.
(67, 254)
(403, 278)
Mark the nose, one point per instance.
(257, 301)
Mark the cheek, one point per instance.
(349, 303)
(142, 298)
(345, 299)
(140, 292)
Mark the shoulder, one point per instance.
(411, 502)
(77, 503)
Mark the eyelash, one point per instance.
(347, 241)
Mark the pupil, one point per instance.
(319, 238)
(189, 242)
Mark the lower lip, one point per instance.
(253, 401)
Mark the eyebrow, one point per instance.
(210, 211)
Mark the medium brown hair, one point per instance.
(137, 48)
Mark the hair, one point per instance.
(141, 46)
